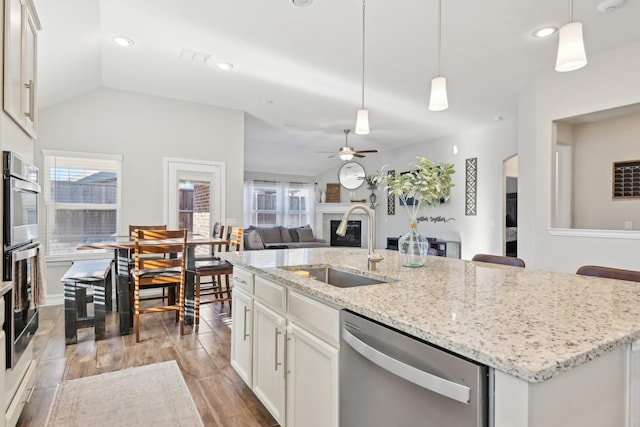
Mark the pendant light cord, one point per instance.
(363, 54)
(439, 35)
(570, 11)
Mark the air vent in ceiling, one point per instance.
(193, 56)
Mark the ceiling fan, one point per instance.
(348, 153)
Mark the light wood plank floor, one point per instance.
(203, 356)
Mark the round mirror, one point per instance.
(351, 175)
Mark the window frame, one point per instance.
(282, 209)
(49, 203)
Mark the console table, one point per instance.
(444, 248)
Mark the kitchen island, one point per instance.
(563, 348)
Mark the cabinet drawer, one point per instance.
(316, 317)
(270, 293)
(243, 279)
(23, 395)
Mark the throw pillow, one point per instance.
(253, 240)
(294, 235)
(270, 234)
(305, 235)
(285, 236)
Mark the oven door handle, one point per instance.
(444, 387)
(21, 255)
(28, 186)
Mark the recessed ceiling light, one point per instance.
(608, 6)
(302, 3)
(226, 66)
(545, 32)
(122, 41)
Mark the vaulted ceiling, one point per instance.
(297, 70)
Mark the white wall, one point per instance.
(609, 80)
(145, 129)
(596, 146)
(480, 233)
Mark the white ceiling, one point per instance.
(297, 70)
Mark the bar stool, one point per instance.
(499, 259)
(82, 275)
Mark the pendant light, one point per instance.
(362, 120)
(571, 53)
(438, 100)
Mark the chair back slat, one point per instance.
(133, 228)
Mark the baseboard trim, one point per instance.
(54, 299)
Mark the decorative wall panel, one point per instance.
(471, 186)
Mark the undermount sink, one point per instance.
(335, 277)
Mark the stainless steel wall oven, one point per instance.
(21, 252)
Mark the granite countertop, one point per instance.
(527, 323)
(5, 287)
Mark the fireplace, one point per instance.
(353, 236)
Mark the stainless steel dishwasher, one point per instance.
(390, 379)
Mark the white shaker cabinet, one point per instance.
(3, 354)
(242, 335)
(285, 345)
(269, 376)
(312, 380)
(20, 63)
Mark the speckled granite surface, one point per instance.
(529, 324)
(5, 286)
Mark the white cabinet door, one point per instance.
(242, 335)
(312, 380)
(268, 360)
(20, 63)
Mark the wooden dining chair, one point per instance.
(132, 235)
(217, 269)
(160, 262)
(609, 273)
(498, 259)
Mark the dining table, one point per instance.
(123, 248)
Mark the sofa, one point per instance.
(280, 237)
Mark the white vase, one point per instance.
(323, 197)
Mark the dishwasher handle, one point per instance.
(450, 389)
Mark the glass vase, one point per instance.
(413, 247)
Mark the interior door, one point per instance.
(195, 195)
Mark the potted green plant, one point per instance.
(426, 184)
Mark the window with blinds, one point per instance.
(278, 203)
(82, 199)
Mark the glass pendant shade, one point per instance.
(438, 100)
(362, 122)
(571, 53)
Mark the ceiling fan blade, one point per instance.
(357, 155)
(333, 155)
(366, 151)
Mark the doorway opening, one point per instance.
(510, 235)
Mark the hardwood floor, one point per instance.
(203, 356)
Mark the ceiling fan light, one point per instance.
(362, 122)
(438, 100)
(346, 156)
(571, 53)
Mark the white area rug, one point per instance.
(151, 395)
